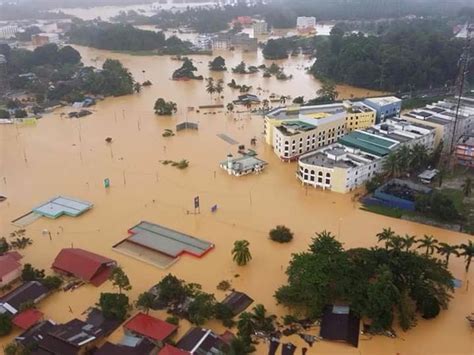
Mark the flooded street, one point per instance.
(60, 156)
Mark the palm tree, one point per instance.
(391, 165)
(447, 249)
(210, 88)
(467, 187)
(283, 99)
(419, 156)
(145, 301)
(260, 319)
(396, 243)
(404, 157)
(467, 250)
(219, 87)
(385, 236)
(245, 325)
(241, 253)
(137, 87)
(238, 346)
(409, 241)
(428, 242)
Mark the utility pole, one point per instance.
(464, 61)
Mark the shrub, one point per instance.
(281, 234)
(430, 307)
(173, 320)
(5, 324)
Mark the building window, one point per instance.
(328, 175)
(320, 180)
(328, 181)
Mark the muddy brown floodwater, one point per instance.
(69, 157)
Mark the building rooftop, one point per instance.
(167, 241)
(8, 264)
(299, 112)
(61, 205)
(84, 265)
(237, 302)
(382, 101)
(30, 291)
(150, 327)
(338, 156)
(245, 163)
(369, 143)
(27, 318)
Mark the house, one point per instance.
(247, 99)
(84, 265)
(171, 350)
(465, 151)
(243, 165)
(386, 107)
(237, 302)
(203, 341)
(10, 268)
(31, 291)
(306, 24)
(152, 328)
(28, 318)
(339, 323)
(142, 347)
(34, 334)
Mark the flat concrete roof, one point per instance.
(167, 241)
(61, 205)
(381, 101)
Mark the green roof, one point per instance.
(298, 125)
(367, 143)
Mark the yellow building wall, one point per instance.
(360, 120)
(338, 180)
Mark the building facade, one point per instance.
(294, 130)
(359, 155)
(386, 107)
(260, 27)
(465, 152)
(305, 24)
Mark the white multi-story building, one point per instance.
(358, 156)
(294, 130)
(304, 23)
(260, 27)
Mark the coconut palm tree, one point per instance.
(467, 187)
(395, 243)
(239, 346)
(385, 236)
(428, 242)
(404, 157)
(261, 321)
(419, 156)
(391, 165)
(241, 253)
(408, 241)
(137, 87)
(467, 250)
(245, 325)
(210, 87)
(446, 250)
(219, 87)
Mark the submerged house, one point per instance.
(29, 292)
(155, 330)
(84, 265)
(340, 323)
(203, 341)
(10, 268)
(243, 165)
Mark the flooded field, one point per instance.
(61, 156)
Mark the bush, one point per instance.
(281, 234)
(224, 285)
(430, 307)
(5, 324)
(4, 114)
(52, 282)
(20, 113)
(173, 320)
(289, 319)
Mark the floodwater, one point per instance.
(60, 156)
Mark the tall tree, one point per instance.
(446, 250)
(467, 187)
(120, 279)
(210, 87)
(429, 242)
(409, 241)
(145, 301)
(467, 250)
(241, 253)
(385, 236)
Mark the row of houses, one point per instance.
(340, 146)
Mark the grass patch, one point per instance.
(385, 211)
(182, 164)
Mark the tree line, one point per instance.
(409, 55)
(400, 280)
(124, 37)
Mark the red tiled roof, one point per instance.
(171, 350)
(15, 255)
(8, 263)
(27, 318)
(150, 327)
(83, 264)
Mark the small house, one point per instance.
(154, 329)
(10, 268)
(339, 323)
